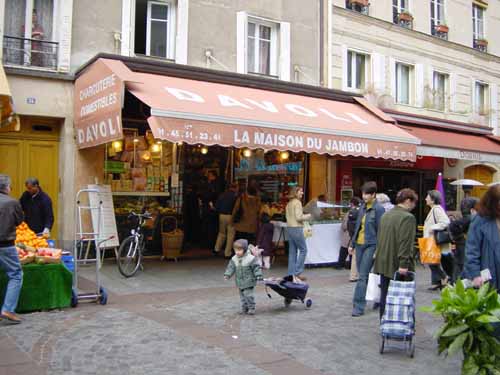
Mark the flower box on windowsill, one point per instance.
(442, 29)
(363, 3)
(482, 43)
(405, 17)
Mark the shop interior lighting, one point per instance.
(179, 143)
(284, 155)
(146, 156)
(204, 150)
(117, 146)
(247, 153)
(136, 140)
(155, 148)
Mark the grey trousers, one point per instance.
(247, 299)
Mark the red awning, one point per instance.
(454, 144)
(211, 113)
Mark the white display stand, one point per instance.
(322, 247)
(108, 225)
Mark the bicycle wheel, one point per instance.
(129, 256)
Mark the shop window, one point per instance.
(155, 28)
(481, 91)
(403, 85)
(401, 13)
(262, 47)
(28, 34)
(479, 38)
(357, 64)
(440, 90)
(438, 24)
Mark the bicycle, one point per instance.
(129, 255)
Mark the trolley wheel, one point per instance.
(288, 302)
(382, 344)
(411, 348)
(129, 257)
(74, 298)
(103, 296)
(309, 303)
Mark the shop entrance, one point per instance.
(33, 152)
(482, 174)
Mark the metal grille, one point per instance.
(30, 52)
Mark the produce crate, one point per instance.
(171, 240)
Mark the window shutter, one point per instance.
(65, 26)
(494, 108)
(345, 63)
(419, 85)
(284, 64)
(241, 42)
(126, 24)
(392, 67)
(378, 72)
(182, 31)
(452, 93)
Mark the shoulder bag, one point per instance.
(441, 236)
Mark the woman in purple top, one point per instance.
(265, 239)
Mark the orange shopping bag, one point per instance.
(430, 252)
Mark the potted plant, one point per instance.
(469, 318)
(442, 28)
(482, 42)
(405, 16)
(363, 3)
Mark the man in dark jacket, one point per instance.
(224, 207)
(37, 207)
(11, 215)
(364, 241)
(396, 237)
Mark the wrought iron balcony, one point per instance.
(30, 52)
(481, 45)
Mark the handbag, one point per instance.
(308, 231)
(430, 253)
(239, 212)
(442, 236)
(373, 288)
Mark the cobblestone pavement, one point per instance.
(182, 319)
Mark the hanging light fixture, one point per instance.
(284, 155)
(155, 148)
(117, 146)
(247, 152)
(204, 150)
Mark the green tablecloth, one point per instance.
(45, 287)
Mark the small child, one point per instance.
(265, 239)
(247, 271)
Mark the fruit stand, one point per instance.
(47, 283)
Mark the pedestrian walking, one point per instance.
(247, 272)
(245, 216)
(459, 229)
(364, 243)
(385, 201)
(11, 215)
(37, 207)
(482, 248)
(265, 239)
(224, 207)
(395, 242)
(297, 247)
(438, 220)
(348, 225)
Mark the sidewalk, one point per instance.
(182, 319)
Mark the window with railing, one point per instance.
(28, 34)
(479, 42)
(401, 13)
(360, 6)
(438, 23)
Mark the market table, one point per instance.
(45, 287)
(322, 247)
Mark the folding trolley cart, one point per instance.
(84, 237)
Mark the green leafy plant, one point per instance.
(468, 317)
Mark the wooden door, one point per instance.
(11, 157)
(482, 174)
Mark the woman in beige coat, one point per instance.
(297, 248)
(437, 220)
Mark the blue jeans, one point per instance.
(9, 261)
(364, 262)
(297, 250)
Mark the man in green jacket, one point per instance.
(395, 242)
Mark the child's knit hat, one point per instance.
(241, 243)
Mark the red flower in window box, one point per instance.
(482, 42)
(363, 3)
(442, 29)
